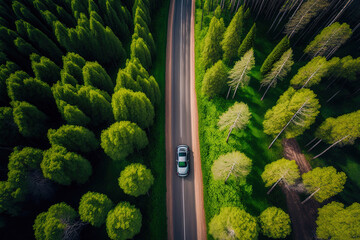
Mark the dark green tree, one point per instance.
(136, 179)
(45, 69)
(95, 75)
(123, 222)
(140, 50)
(132, 106)
(94, 207)
(121, 139)
(275, 55)
(5, 71)
(248, 42)
(65, 167)
(8, 128)
(72, 65)
(73, 138)
(215, 79)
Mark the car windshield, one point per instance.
(182, 154)
(182, 164)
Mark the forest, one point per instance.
(82, 119)
(278, 82)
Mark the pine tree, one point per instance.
(232, 37)
(275, 55)
(211, 52)
(132, 106)
(121, 139)
(95, 75)
(72, 65)
(145, 34)
(136, 179)
(45, 69)
(5, 71)
(279, 70)
(73, 115)
(248, 41)
(214, 82)
(140, 50)
(239, 73)
(329, 40)
(24, 47)
(235, 164)
(65, 167)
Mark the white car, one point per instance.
(182, 160)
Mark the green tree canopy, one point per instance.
(337, 223)
(233, 223)
(64, 167)
(5, 71)
(8, 128)
(132, 106)
(94, 207)
(95, 75)
(73, 138)
(44, 69)
(136, 179)
(234, 164)
(210, 51)
(286, 170)
(140, 50)
(72, 65)
(30, 121)
(275, 223)
(289, 104)
(214, 82)
(248, 41)
(326, 182)
(275, 55)
(54, 223)
(123, 222)
(232, 36)
(122, 138)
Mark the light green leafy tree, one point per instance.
(214, 82)
(275, 223)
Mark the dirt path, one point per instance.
(302, 216)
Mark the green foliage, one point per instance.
(232, 37)
(95, 75)
(121, 139)
(287, 105)
(144, 33)
(73, 115)
(275, 55)
(73, 138)
(326, 180)
(211, 52)
(8, 128)
(5, 71)
(311, 73)
(233, 223)
(333, 129)
(140, 50)
(30, 121)
(337, 223)
(284, 169)
(132, 106)
(248, 41)
(235, 165)
(346, 67)
(72, 65)
(330, 38)
(94, 207)
(64, 167)
(136, 179)
(24, 47)
(123, 222)
(55, 222)
(45, 69)
(214, 82)
(275, 223)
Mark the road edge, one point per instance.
(169, 207)
(198, 178)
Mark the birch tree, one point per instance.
(282, 170)
(323, 183)
(235, 164)
(236, 117)
(239, 73)
(329, 40)
(340, 131)
(311, 73)
(303, 16)
(278, 72)
(294, 112)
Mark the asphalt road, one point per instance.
(183, 194)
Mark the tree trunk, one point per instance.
(312, 75)
(308, 198)
(332, 145)
(230, 130)
(310, 142)
(333, 96)
(341, 11)
(273, 186)
(288, 123)
(314, 145)
(232, 167)
(227, 96)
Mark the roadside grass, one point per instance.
(250, 195)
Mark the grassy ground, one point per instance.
(250, 195)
